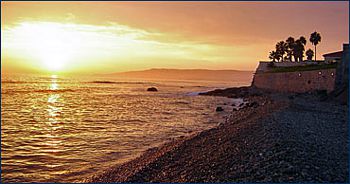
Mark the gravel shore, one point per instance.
(281, 138)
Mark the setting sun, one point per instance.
(56, 46)
(160, 91)
(73, 38)
(50, 43)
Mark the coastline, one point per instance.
(276, 139)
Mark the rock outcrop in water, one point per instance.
(153, 89)
(235, 92)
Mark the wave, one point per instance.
(13, 82)
(54, 90)
(103, 82)
(193, 93)
(39, 91)
(28, 82)
(182, 102)
(114, 82)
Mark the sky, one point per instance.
(106, 37)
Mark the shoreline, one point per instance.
(262, 142)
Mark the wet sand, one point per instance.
(278, 138)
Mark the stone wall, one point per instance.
(297, 82)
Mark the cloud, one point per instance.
(70, 17)
(83, 45)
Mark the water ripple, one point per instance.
(58, 131)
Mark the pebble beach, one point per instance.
(279, 138)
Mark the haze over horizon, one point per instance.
(106, 37)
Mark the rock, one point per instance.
(253, 104)
(218, 109)
(152, 89)
(232, 96)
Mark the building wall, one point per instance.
(332, 59)
(342, 78)
(296, 82)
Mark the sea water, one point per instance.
(64, 129)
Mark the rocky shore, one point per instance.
(282, 138)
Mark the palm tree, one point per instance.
(309, 54)
(278, 57)
(302, 40)
(274, 56)
(297, 49)
(281, 48)
(301, 45)
(315, 38)
(290, 42)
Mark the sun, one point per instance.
(53, 54)
(55, 63)
(50, 43)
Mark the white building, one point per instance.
(333, 57)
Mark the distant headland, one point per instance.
(187, 74)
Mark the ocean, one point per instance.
(64, 129)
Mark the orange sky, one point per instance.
(103, 37)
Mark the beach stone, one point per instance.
(152, 89)
(269, 148)
(253, 104)
(219, 109)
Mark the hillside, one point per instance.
(188, 74)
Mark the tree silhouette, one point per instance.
(300, 44)
(302, 40)
(294, 48)
(297, 49)
(315, 38)
(274, 56)
(309, 53)
(290, 42)
(281, 48)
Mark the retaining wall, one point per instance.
(296, 82)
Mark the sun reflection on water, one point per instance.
(62, 127)
(54, 85)
(54, 109)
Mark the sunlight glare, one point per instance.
(54, 84)
(50, 42)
